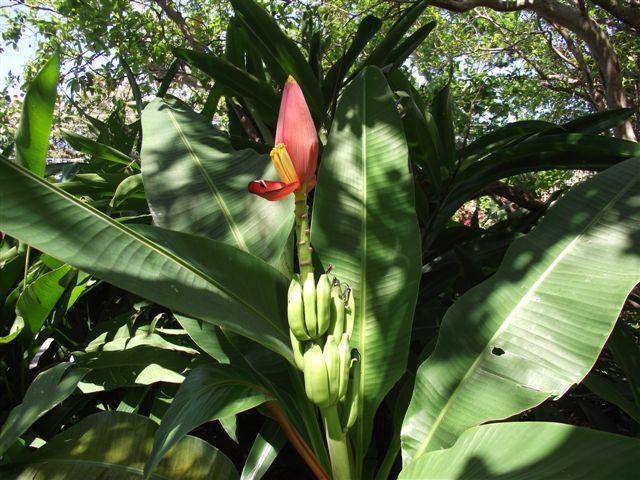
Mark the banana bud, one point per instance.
(295, 311)
(349, 312)
(309, 301)
(352, 399)
(337, 313)
(332, 361)
(345, 361)
(298, 350)
(323, 299)
(316, 378)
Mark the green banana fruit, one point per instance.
(298, 350)
(349, 312)
(295, 311)
(344, 351)
(352, 399)
(332, 361)
(336, 327)
(309, 301)
(323, 304)
(316, 378)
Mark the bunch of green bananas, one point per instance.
(321, 319)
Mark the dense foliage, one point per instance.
(148, 293)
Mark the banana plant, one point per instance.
(308, 311)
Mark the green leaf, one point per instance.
(364, 224)
(538, 325)
(611, 392)
(168, 77)
(599, 122)
(526, 450)
(98, 150)
(441, 128)
(47, 390)
(380, 56)
(264, 451)
(39, 298)
(196, 276)
(563, 151)
(130, 186)
(335, 76)
(237, 81)
(209, 392)
(141, 360)
(94, 185)
(408, 46)
(501, 138)
(626, 353)
(32, 138)
(422, 142)
(272, 43)
(115, 445)
(196, 182)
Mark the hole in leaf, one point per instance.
(497, 351)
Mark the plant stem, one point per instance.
(338, 444)
(297, 441)
(302, 234)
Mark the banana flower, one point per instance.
(295, 155)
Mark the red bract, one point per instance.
(295, 155)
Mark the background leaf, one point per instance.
(209, 392)
(115, 445)
(47, 390)
(236, 81)
(32, 138)
(264, 451)
(98, 150)
(39, 298)
(274, 45)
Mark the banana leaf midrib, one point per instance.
(235, 231)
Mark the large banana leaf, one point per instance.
(537, 326)
(527, 450)
(202, 278)
(114, 446)
(196, 182)
(364, 224)
(501, 138)
(32, 138)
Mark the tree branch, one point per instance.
(180, 22)
(515, 195)
(584, 27)
(629, 15)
